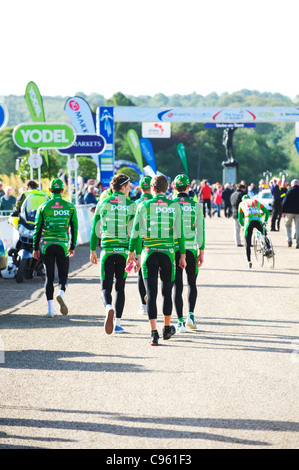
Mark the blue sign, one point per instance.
(85, 144)
(105, 127)
(225, 125)
(148, 153)
(3, 116)
(296, 142)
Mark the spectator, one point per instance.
(276, 205)
(62, 176)
(235, 200)
(226, 194)
(99, 187)
(217, 199)
(252, 191)
(290, 210)
(7, 201)
(1, 190)
(90, 196)
(205, 195)
(284, 189)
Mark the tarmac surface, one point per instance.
(231, 384)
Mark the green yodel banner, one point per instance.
(35, 105)
(43, 135)
(34, 102)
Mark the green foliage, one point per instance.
(266, 147)
(87, 168)
(130, 172)
(24, 168)
(8, 152)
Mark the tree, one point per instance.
(87, 168)
(24, 167)
(130, 172)
(8, 152)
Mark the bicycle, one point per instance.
(263, 248)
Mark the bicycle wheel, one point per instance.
(258, 250)
(271, 255)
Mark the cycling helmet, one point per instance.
(245, 197)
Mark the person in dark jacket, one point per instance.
(276, 205)
(290, 211)
(235, 200)
(226, 194)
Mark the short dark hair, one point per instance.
(56, 190)
(118, 181)
(32, 184)
(160, 183)
(181, 189)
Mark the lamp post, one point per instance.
(267, 174)
(283, 175)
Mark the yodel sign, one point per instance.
(43, 135)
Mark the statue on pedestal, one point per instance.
(228, 144)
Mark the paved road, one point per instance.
(233, 383)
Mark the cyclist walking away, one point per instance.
(56, 223)
(158, 221)
(112, 221)
(145, 186)
(250, 214)
(194, 232)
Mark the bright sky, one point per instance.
(148, 47)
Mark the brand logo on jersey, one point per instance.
(160, 203)
(65, 212)
(165, 210)
(57, 206)
(119, 208)
(188, 208)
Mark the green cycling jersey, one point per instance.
(251, 209)
(159, 222)
(56, 222)
(112, 222)
(193, 222)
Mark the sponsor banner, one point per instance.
(156, 130)
(86, 144)
(213, 114)
(80, 114)
(34, 102)
(35, 105)
(3, 116)
(231, 125)
(105, 127)
(182, 154)
(134, 144)
(148, 153)
(43, 135)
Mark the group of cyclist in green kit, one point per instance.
(156, 237)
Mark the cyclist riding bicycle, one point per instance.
(250, 214)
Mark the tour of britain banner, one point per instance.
(214, 114)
